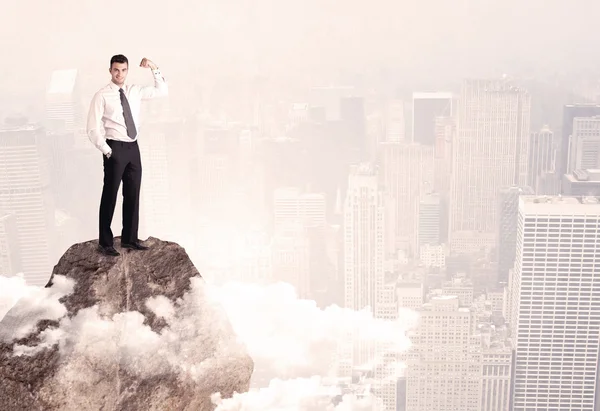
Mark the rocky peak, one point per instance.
(135, 332)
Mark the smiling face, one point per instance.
(118, 71)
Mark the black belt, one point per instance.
(112, 143)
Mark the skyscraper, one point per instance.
(584, 147)
(508, 211)
(293, 206)
(25, 192)
(10, 255)
(541, 158)
(290, 257)
(581, 183)
(407, 174)
(429, 220)
(426, 108)
(395, 128)
(490, 152)
(64, 111)
(363, 246)
(571, 111)
(555, 307)
(443, 371)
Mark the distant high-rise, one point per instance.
(541, 158)
(490, 152)
(10, 255)
(508, 211)
(293, 206)
(386, 356)
(582, 183)
(329, 98)
(25, 192)
(426, 108)
(584, 147)
(290, 257)
(555, 307)
(429, 220)
(363, 246)
(65, 112)
(445, 128)
(63, 105)
(407, 174)
(354, 125)
(395, 128)
(570, 112)
(443, 371)
(165, 153)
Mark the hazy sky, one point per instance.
(424, 37)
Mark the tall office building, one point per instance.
(155, 194)
(490, 152)
(354, 126)
(409, 293)
(443, 371)
(508, 211)
(584, 147)
(395, 128)
(582, 183)
(426, 108)
(293, 206)
(496, 377)
(64, 111)
(329, 99)
(462, 287)
(570, 112)
(386, 355)
(541, 158)
(555, 307)
(25, 192)
(407, 174)
(10, 254)
(363, 246)
(430, 210)
(445, 128)
(291, 257)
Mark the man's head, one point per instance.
(118, 69)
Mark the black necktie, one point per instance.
(131, 131)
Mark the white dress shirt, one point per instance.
(105, 118)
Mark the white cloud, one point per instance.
(29, 305)
(291, 341)
(295, 338)
(301, 394)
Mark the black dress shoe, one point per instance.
(134, 246)
(109, 250)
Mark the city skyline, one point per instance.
(396, 205)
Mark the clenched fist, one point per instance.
(146, 63)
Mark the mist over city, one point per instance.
(320, 206)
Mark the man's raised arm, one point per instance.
(160, 88)
(94, 124)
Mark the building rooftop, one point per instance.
(584, 176)
(432, 95)
(568, 200)
(561, 205)
(62, 81)
(8, 128)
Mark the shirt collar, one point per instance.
(114, 87)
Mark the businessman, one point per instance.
(112, 126)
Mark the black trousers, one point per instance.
(124, 164)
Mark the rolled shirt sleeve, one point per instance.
(159, 89)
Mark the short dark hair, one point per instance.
(119, 58)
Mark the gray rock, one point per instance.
(172, 358)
